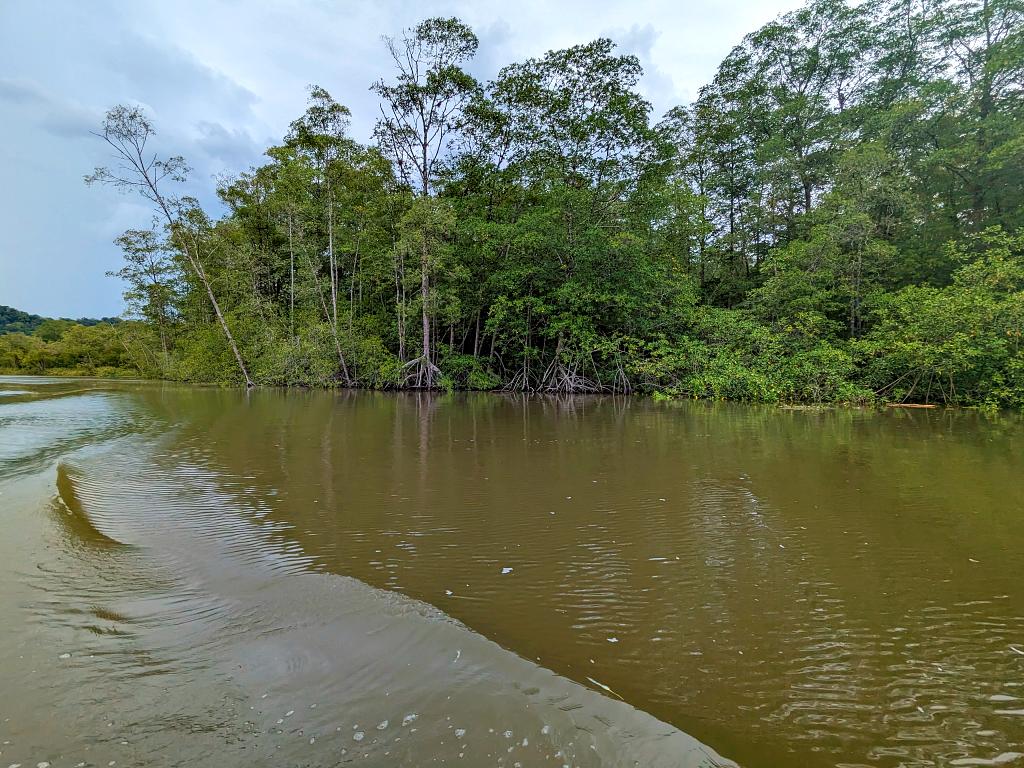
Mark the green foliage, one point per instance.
(469, 372)
(61, 347)
(960, 344)
(837, 217)
(729, 355)
(52, 330)
(15, 321)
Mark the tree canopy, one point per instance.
(837, 216)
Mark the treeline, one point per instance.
(85, 347)
(66, 347)
(836, 217)
(15, 321)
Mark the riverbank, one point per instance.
(655, 395)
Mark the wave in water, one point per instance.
(326, 670)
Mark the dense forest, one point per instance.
(15, 321)
(35, 344)
(837, 217)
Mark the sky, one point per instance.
(222, 79)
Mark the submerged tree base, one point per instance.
(420, 373)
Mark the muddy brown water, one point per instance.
(192, 576)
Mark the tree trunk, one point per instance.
(330, 260)
(224, 325)
(476, 336)
(424, 300)
(291, 292)
(352, 286)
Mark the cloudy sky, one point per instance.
(223, 78)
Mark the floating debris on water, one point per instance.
(604, 687)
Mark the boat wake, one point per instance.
(325, 669)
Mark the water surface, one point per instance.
(196, 576)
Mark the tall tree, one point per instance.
(422, 111)
(150, 276)
(323, 133)
(127, 130)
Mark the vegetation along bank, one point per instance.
(836, 217)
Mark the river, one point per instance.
(194, 576)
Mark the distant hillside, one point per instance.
(15, 321)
